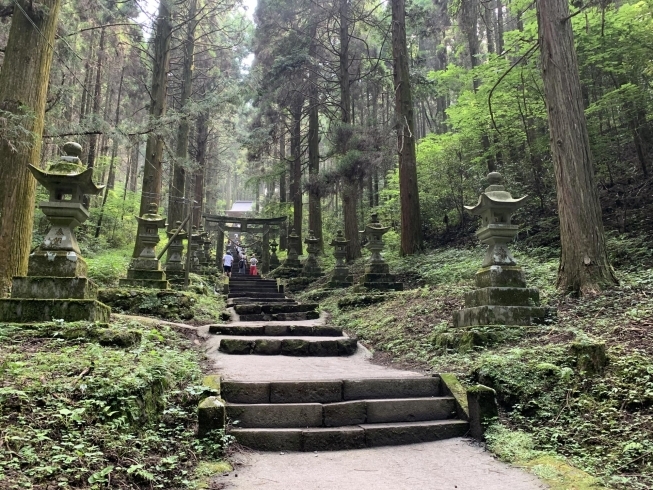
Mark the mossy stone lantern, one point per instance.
(292, 260)
(145, 270)
(274, 260)
(377, 272)
(340, 278)
(502, 297)
(311, 266)
(56, 286)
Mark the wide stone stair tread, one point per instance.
(290, 415)
(245, 300)
(349, 437)
(331, 391)
(255, 294)
(276, 330)
(288, 345)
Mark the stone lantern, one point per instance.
(340, 278)
(194, 246)
(502, 296)
(292, 260)
(274, 260)
(56, 286)
(377, 272)
(175, 270)
(311, 266)
(206, 244)
(145, 270)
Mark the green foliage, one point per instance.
(80, 414)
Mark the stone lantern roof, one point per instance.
(152, 217)
(496, 202)
(68, 172)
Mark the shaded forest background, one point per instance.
(274, 127)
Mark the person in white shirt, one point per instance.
(227, 262)
(252, 266)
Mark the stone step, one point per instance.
(349, 437)
(280, 317)
(332, 391)
(254, 309)
(244, 289)
(243, 300)
(255, 295)
(277, 330)
(297, 346)
(292, 415)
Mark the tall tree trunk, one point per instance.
(178, 180)
(88, 70)
(584, 265)
(283, 194)
(152, 172)
(296, 151)
(314, 194)
(23, 92)
(97, 99)
(114, 152)
(135, 149)
(411, 226)
(201, 142)
(499, 36)
(349, 187)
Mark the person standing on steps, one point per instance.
(241, 264)
(227, 262)
(252, 265)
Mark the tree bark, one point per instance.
(202, 138)
(349, 187)
(584, 265)
(152, 172)
(283, 194)
(314, 194)
(178, 181)
(23, 92)
(296, 151)
(97, 97)
(411, 226)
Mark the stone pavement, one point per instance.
(441, 465)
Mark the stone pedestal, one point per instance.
(340, 277)
(377, 272)
(175, 270)
(56, 286)
(311, 268)
(291, 267)
(145, 271)
(274, 260)
(502, 297)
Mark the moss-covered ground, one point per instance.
(601, 421)
(79, 408)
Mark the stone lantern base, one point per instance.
(341, 277)
(502, 298)
(145, 273)
(24, 310)
(377, 276)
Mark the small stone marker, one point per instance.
(312, 267)
(341, 277)
(145, 270)
(56, 286)
(377, 271)
(502, 297)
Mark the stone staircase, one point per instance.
(340, 414)
(255, 299)
(331, 400)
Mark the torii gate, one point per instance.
(245, 225)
